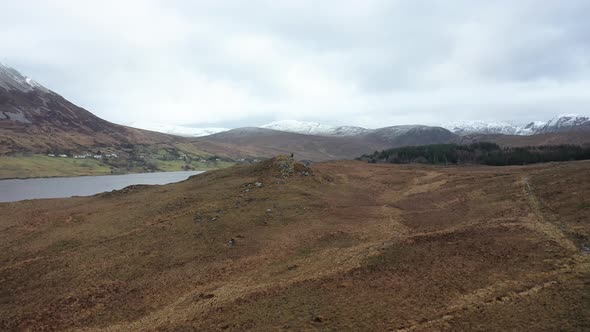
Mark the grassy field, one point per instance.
(345, 246)
(44, 166)
(33, 166)
(179, 165)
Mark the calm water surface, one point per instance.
(16, 190)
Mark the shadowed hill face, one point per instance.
(275, 245)
(398, 136)
(34, 119)
(37, 120)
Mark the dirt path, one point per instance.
(538, 221)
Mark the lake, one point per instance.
(19, 189)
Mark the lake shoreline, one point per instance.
(100, 174)
(42, 166)
(14, 190)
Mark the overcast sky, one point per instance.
(367, 63)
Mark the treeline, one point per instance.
(478, 153)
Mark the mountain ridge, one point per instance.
(34, 119)
(558, 123)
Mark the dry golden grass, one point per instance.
(352, 246)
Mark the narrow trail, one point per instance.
(514, 290)
(474, 301)
(338, 261)
(354, 247)
(538, 221)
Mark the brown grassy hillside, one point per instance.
(343, 246)
(261, 142)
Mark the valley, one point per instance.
(42, 135)
(188, 166)
(122, 160)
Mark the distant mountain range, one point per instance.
(462, 128)
(34, 119)
(184, 131)
(557, 124)
(314, 128)
(264, 142)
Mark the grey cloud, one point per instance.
(343, 62)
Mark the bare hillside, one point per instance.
(277, 246)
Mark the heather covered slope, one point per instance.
(342, 246)
(38, 120)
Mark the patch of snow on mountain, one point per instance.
(178, 130)
(350, 131)
(480, 127)
(533, 127)
(314, 128)
(11, 79)
(559, 123)
(564, 122)
(301, 127)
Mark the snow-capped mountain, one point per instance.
(12, 79)
(532, 127)
(350, 131)
(314, 128)
(461, 128)
(479, 127)
(301, 127)
(178, 130)
(564, 122)
(559, 123)
(36, 119)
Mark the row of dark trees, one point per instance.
(479, 153)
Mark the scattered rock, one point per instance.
(231, 242)
(318, 319)
(268, 210)
(306, 163)
(258, 184)
(214, 218)
(345, 284)
(286, 168)
(198, 217)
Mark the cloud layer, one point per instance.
(369, 63)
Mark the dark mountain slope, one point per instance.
(35, 119)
